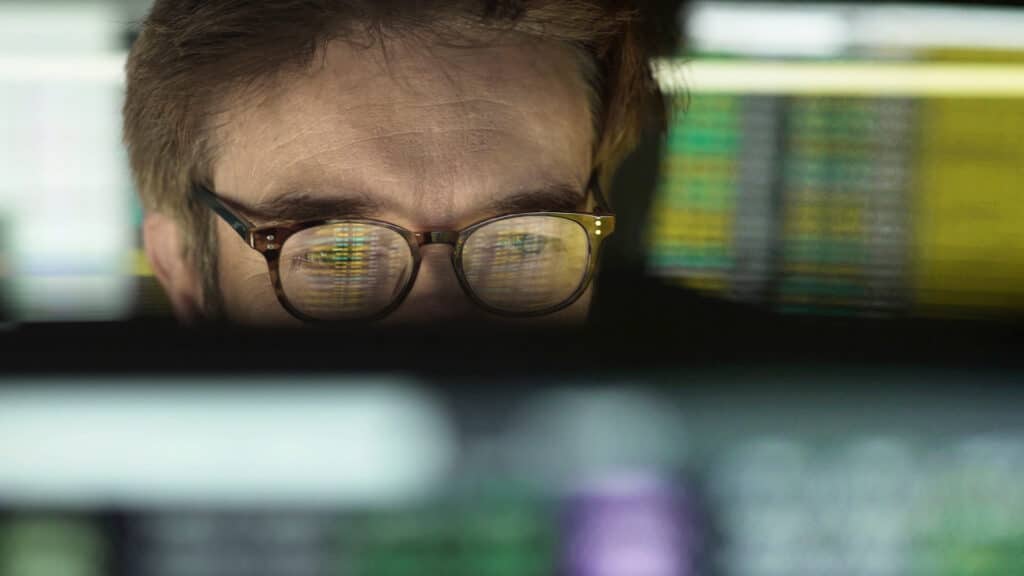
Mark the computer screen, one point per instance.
(854, 158)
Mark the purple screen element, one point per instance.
(634, 526)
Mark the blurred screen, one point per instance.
(345, 475)
(66, 201)
(856, 158)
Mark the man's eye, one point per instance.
(526, 244)
(325, 258)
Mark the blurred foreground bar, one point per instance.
(877, 471)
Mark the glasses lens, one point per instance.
(526, 263)
(344, 271)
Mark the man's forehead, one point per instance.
(427, 130)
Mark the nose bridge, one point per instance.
(437, 272)
(436, 293)
(449, 237)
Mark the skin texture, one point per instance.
(426, 137)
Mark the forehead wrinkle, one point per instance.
(474, 139)
(464, 113)
(426, 132)
(380, 119)
(278, 172)
(488, 110)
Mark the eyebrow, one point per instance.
(555, 198)
(298, 206)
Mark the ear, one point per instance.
(163, 239)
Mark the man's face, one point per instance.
(424, 137)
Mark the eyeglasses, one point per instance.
(527, 264)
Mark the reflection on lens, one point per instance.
(527, 263)
(344, 271)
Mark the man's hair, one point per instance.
(191, 55)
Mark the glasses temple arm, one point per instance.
(237, 222)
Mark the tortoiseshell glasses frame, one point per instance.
(269, 240)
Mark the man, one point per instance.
(352, 160)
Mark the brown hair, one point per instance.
(192, 53)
